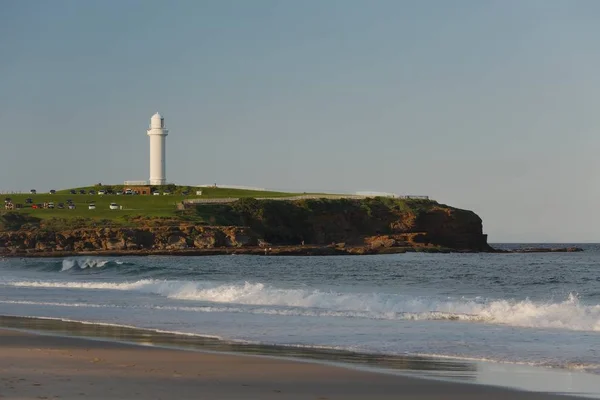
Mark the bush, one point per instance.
(12, 221)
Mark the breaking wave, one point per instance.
(569, 314)
(70, 264)
(89, 265)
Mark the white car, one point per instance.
(92, 207)
(113, 206)
(157, 193)
(101, 192)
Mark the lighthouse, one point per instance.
(158, 160)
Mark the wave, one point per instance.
(86, 263)
(293, 312)
(569, 314)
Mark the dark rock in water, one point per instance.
(542, 250)
(550, 250)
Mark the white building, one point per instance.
(158, 146)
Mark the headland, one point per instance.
(184, 220)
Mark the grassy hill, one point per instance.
(133, 206)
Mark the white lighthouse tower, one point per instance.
(158, 160)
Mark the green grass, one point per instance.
(151, 206)
(164, 206)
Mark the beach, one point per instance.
(36, 366)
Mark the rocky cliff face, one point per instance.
(356, 222)
(451, 227)
(369, 224)
(121, 239)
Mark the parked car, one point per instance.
(73, 191)
(166, 193)
(119, 192)
(91, 206)
(29, 200)
(33, 191)
(109, 191)
(52, 191)
(92, 192)
(51, 204)
(60, 206)
(71, 206)
(157, 193)
(101, 192)
(113, 206)
(128, 191)
(185, 193)
(81, 191)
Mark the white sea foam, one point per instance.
(576, 366)
(83, 263)
(55, 304)
(259, 298)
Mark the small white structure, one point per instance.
(158, 160)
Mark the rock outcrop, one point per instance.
(364, 226)
(126, 239)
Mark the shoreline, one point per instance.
(306, 250)
(414, 376)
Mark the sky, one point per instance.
(487, 105)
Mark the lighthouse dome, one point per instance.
(157, 121)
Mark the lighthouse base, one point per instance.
(158, 182)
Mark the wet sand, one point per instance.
(34, 366)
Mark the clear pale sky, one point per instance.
(492, 106)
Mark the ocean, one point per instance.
(530, 310)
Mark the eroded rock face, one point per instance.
(240, 237)
(383, 228)
(113, 239)
(177, 242)
(114, 244)
(380, 241)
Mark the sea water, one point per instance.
(534, 309)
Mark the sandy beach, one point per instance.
(34, 366)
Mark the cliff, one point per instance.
(389, 222)
(346, 226)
